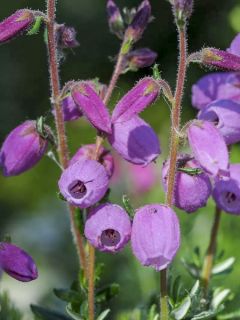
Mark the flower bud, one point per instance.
(226, 192)
(235, 45)
(84, 183)
(115, 20)
(182, 10)
(88, 151)
(136, 100)
(191, 190)
(70, 110)
(220, 59)
(208, 147)
(66, 37)
(17, 263)
(22, 149)
(108, 228)
(216, 86)
(225, 115)
(139, 22)
(14, 25)
(155, 235)
(139, 58)
(135, 141)
(92, 106)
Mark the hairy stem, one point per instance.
(208, 261)
(59, 119)
(91, 279)
(174, 143)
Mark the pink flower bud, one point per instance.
(92, 106)
(135, 141)
(88, 151)
(22, 149)
(139, 22)
(191, 191)
(225, 115)
(17, 23)
(155, 235)
(108, 228)
(136, 100)
(115, 20)
(84, 183)
(221, 59)
(17, 263)
(208, 147)
(140, 58)
(66, 37)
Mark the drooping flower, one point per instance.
(216, 86)
(225, 114)
(88, 151)
(226, 192)
(155, 235)
(192, 190)
(143, 94)
(15, 24)
(92, 106)
(22, 149)
(17, 263)
(108, 227)
(208, 147)
(84, 183)
(139, 22)
(135, 141)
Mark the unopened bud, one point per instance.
(115, 20)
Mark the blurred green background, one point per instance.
(30, 210)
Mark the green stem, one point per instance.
(174, 144)
(209, 258)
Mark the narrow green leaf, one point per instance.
(46, 314)
(68, 295)
(224, 266)
(103, 315)
(195, 288)
(127, 206)
(204, 315)
(219, 296)
(36, 27)
(181, 311)
(192, 269)
(73, 314)
(233, 315)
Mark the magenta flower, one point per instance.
(136, 100)
(221, 59)
(84, 183)
(17, 263)
(216, 86)
(135, 141)
(139, 22)
(226, 192)
(155, 235)
(88, 151)
(22, 149)
(140, 58)
(15, 24)
(191, 191)
(208, 147)
(108, 228)
(115, 20)
(225, 114)
(92, 106)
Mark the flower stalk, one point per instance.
(174, 144)
(59, 120)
